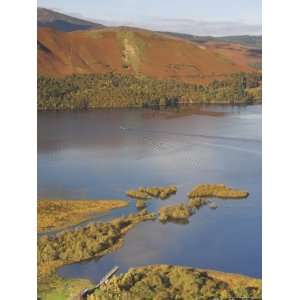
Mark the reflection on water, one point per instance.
(101, 154)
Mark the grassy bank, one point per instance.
(57, 214)
(169, 282)
(217, 190)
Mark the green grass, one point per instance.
(57, 288)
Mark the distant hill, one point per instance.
(244, 40)
(251, 41)
(134, 51)
(242, 49)
(62, 22)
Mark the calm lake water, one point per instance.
(100, 154)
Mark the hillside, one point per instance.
(132, 51)
(245, 40)
(251, 41)
(243, 50)
(62, 22)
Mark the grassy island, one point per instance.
(217, 190)
(136, 194)
(178, 212)
(196, 202)
(94, 240)
(163, 192)
(168, 282)
(57, 214)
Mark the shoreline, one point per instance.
(69, 213)
(50, 283)
(157, 108)
(48, 266)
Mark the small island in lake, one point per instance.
(196, 202)
(57, 214)
(217, 190)
(163, 192)
(177, 212)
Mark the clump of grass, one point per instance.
(55, 287)
(137, 194)
(144, 193)
(177, 212)
(163, 192)
(140, 204)
(163, 282)
(217, 190)
(196, 202)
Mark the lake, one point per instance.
(100, 154)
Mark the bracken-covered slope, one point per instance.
(250, 41)
(242, 50)
(131, 51)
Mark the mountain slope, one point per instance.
(251, 41)
(243, 50)
(62, 22)
(131, 51)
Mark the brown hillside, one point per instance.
(135, 51)
(239, 54)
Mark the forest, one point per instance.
(83, 92)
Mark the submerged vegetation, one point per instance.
(217, 190)
(164, 282)
(56, 214)
(80, 92)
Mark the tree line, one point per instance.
(82, 92)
